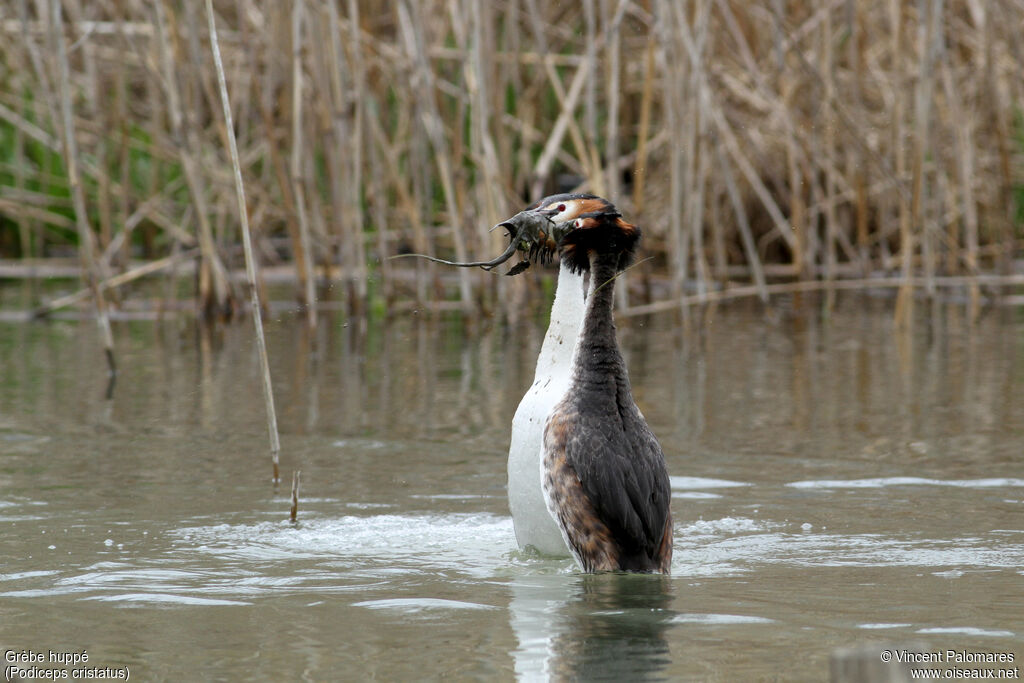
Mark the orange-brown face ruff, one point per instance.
(584, 223)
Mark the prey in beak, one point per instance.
(531, 232)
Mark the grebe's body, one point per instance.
(602, 472)
(533, 524)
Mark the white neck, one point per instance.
(567, 311)
(531, 519)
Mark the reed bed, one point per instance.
(764, 147)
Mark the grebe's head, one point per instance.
(585, 224)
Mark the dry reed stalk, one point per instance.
(344, 158)
(829, 145)
(38, 67)
(542, 169)
(250, 261)
(643, 131)
(746, 235)
(86, 247)
(26, 127)
(476, 72)
(356, 155)
(146, 210)
(516, 95)
(379, 214)
(24, 224)
(904, 300)
(566, 122)
(431, 120)
(965, 152)
(22, 126)
(590, 131)
(613, 95)
(121, 255)
(856, 160)
(98, 115)
(693, 40)
(998, 119)
(305, 257)
(215, 297)
(672, 63)
(929, 13)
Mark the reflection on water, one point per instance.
(831, 484)
(599, 627)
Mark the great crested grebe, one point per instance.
(533, 524)
(600, 470)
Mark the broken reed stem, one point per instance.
(86, 246)
(294, 513)
(115, 281)
(745, 291)
(250, 261)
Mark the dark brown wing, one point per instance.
(610, 473)
(622, 471)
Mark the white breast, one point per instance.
(533, 524)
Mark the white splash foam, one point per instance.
(472, 542)
(414, 605)
(726, 525)
(703, 483)
(719, 619)
(967, 631)
(164, 598)
(696, 495)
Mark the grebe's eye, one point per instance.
(561, 208)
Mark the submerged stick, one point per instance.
(296, 475)
(250, 264)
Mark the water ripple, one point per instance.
(996, 482)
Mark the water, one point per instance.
(834, 483)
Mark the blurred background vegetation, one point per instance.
(762, 146)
